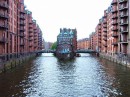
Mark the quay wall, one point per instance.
(14, 62)
(122, 60)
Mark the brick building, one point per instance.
(112, 31)
(93, 41)
(66, 42)
(115, 26)
(98, 33)
(124, 27)
(48, 45)
(83, 43)
(19, 33)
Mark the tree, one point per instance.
(53, 47)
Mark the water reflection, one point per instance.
(120, 75)
(85, 76)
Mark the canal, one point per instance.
(85, 76)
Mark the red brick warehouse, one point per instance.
(20, 35)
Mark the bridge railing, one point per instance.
(46, 51)
(85, 51)
(77, 51)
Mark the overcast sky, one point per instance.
(51, 15)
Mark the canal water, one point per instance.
(85, 76)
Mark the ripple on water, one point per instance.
(85, 76)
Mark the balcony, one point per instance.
(105, 38)
(3, 16)
(30, 22)
(122, 23)
(114, 29)
(22, 17)
(124, 41)
(35, 31)
(114, 9)
(114, 16)
(114, 23)
(114, 35)
(30, 45)
(115, 43)
(124, 31)
(99, 31)
(22, 29)
(99, 38)
(105, 34)
(22, 11)
(3, 40)
(122, 1)
(99, 27)
(35, 41)
(99, 34)
(21, 44)
(124, 15)
(114, 2)
(121, 8)
(105, 30)
(35, 35)
(4, 5)
(21, 35)
(30, 26)
(30, 39)
(30, 30)
(31, 35)
(22, 24)
(105, 26)
(35, 46)
(4, 27)
(105, 45)
(35, 28)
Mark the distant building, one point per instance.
(83, 43)
(48, 45)
(43, 44)
(67, 41)
(93, 41)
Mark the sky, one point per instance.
(51, 15)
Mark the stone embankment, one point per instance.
(15, 61)
(120, 59)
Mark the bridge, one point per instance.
(85, 51)
(46, 51)
(77, 51)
